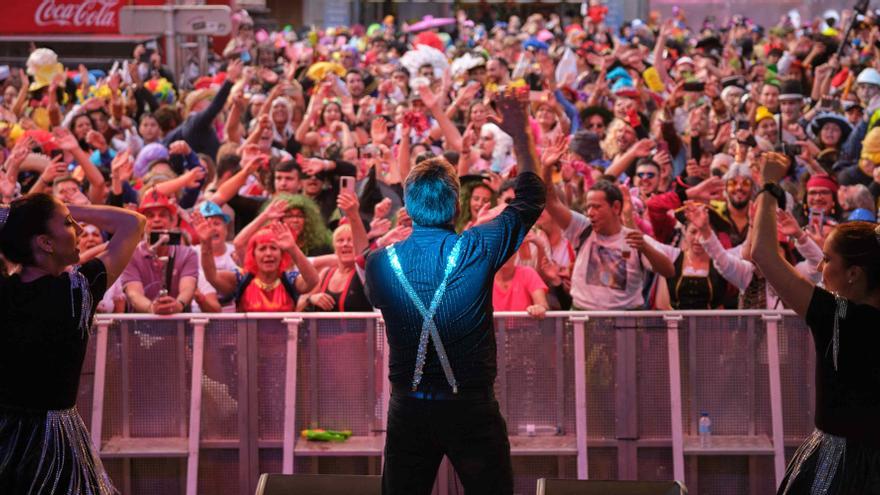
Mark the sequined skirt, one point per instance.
(826, 464)
(49, 453)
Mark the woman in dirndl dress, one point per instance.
(46, 310)
(842, 455)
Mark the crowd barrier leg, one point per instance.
(290, 395)
(580, 393)
(772, 322)
(195, 405)
(673, 350)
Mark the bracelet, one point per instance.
(182, 305)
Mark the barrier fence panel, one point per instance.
(638, 376)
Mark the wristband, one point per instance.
(777, 192)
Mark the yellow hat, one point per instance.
(871, 145)
(43, 66)
(762, 113)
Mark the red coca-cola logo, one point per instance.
(87, 13)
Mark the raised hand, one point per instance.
(774, 166)
(383, 208)
(65, 139)
(347, 201)
(697, 215)
(194, 177)
(787, 225)
(556, 149)
(513, 110)
(379, 227)
(283, 236)
(276, 210)
(430, 99)
(122, 167)
(96, 140)
(201, 226)
(379, 130)
(179, 147)
(234, 70)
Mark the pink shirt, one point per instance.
(518, 297)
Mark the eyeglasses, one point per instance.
(646, 175)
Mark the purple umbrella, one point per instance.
(428, 22)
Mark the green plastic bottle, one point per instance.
(321, 435)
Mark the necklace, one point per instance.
(267, 287)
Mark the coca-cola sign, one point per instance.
(90, 13)
(65, 16)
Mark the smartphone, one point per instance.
(816, 220)
(346, 183)
(695, 86)
(173, 237)
(696, 149)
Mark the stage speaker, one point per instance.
(318, 484)
(598, 487)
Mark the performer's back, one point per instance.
(464, 316)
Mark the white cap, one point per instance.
(869, 76)
(684, 60)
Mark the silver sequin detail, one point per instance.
(79, 282)
(831, 450)
(428, 325)
(839, 313)
(66, 435)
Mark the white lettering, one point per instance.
(83, 13)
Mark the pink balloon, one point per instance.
(261, 36)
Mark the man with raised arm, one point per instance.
(435, 292)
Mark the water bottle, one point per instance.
(533, 430)
(705, 428)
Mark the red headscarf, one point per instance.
(264, 236)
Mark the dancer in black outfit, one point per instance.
(842, 455)
(439, 283)
(46, 311)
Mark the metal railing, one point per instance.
(203, 403)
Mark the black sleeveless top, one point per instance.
(688, 292)
(352, 297)
(42, 344)
(848, 394)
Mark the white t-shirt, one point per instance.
(224, 262)
(602, 278)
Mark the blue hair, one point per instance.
(431, 193)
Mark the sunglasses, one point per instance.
(646, 175)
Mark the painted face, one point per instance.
(89, 237)
(479, 197)
(287, 182)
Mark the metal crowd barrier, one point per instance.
(203, 403)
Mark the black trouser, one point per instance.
(471, 433)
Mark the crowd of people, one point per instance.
(266, 182)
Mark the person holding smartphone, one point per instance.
(161, 277)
